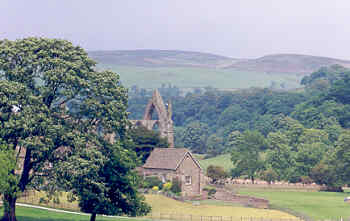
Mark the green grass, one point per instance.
(191, 77)
(317, 205)
(221, 160)
(164, 205)
(219, 203)
(31, 214)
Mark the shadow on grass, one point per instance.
(25, 218)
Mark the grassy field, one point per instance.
(191, 77)
(164, 205)
(31, 214)
(221, 160)
(317, 205)
(161, 204)
(33, 197)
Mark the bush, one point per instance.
(167, 186)
(211, 190)
(269, 175)
(306, 180)
(176, 186)
(152, 181)
(216, 173)
(155, 188)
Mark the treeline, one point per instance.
(297, 136)
(204, 118)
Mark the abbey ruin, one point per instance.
(164, 122)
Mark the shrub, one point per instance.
(152, 181)
(306, 180)
(216, 173)
(176, 186)
(269, 175)
(211, 190)
(167, 186)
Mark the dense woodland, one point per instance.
(297, 136)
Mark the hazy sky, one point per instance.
(236, 28)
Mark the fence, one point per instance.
(276, 187)
(39, 199)
(184, 217)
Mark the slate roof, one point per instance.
(166, 158)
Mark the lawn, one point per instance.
(221, 160)
(165, 206)
(191, 77)
(317, 205)
(31, 214)
(34, 198)
(161, 204)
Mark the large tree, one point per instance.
(246, 155)
(195, 136)
(53, 102)
(104, 182)
(7, 162)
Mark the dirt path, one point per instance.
(227, 196)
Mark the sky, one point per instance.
(235, 28)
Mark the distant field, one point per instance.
(192, 77)
(317, 205)
(161, 204)
(221, 160)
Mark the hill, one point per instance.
(223, 160)
(187, 69)
(287, 63)
(276, 63)
(161, 58)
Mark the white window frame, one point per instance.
(188, 180)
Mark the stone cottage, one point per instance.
(171, 163)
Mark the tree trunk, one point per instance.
(9, 208)
(93, 217)
(252, 178)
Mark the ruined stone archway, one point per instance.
(164, 121)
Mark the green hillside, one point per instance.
(221, 160)
(187, 69)
(192, 77)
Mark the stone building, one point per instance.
(171, 163)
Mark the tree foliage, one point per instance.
(303, 128)
(144, 141)
(216, 173)
(54, 104)
(104, 181)
(246, 156)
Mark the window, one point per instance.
(188, 180)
